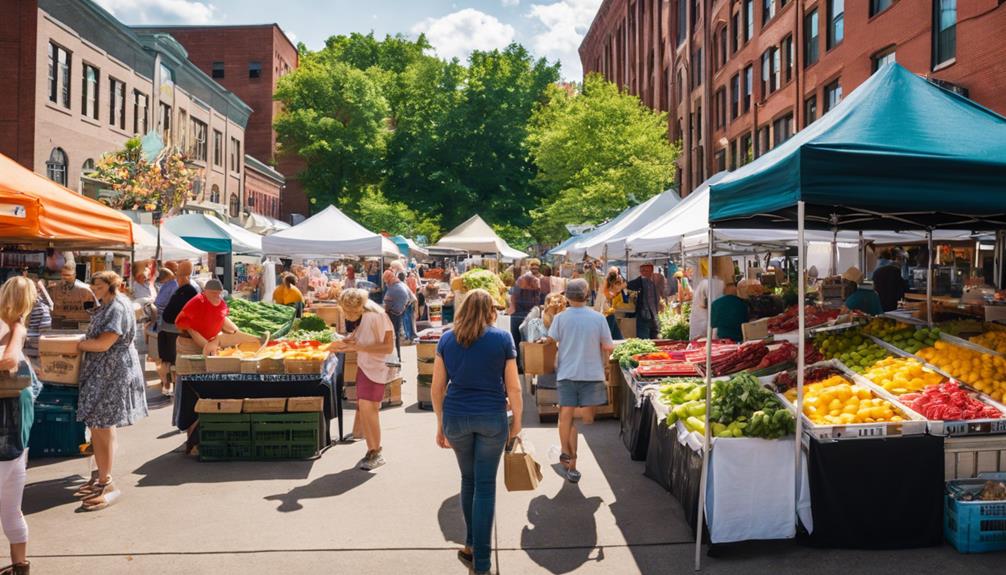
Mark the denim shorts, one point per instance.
(582, 393)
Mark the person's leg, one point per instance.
(515, 322)
(616, 332)
(368, 413)
(101, 442)
(565, 429)
(490, 440)
(462, 441)
(396, 322)
(12, 480)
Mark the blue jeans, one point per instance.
(407, 320)
(616, 332)
(478, 442)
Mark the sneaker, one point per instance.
(361, 464)
(573, 476)
(373, 462)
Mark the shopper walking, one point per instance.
(649, 304)
(396, 299)
(608, 297)
(167, 334)
(479, 360)
(524, 296)
(584, 343)
(17, 298)
(112, 391)
(373, 341)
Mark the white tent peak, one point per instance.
(475, 235)
(330, 232)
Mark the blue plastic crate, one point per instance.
(973, 526)
(55, 432)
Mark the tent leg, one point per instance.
(862, 253)
(801, 344)
(834, 253)
(929, 278)
(706, 439)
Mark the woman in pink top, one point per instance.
(373, 341)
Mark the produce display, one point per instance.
(836, 401)
(259, 318)
(789, 320)
(949, 402)
(666, 369)
(321, 336)
(787, 379)
(624, 351)
(991, 490)
(984, 372)
(487, 280)
(310, 323)
(674, 326)
(961, 327)
(727, 359)
(851, 348)
(280, 350)
(900, 335)
(741, 407)
(901, 375)
(994, 340)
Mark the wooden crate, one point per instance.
(392, 393)
(265, 405)
(424, 367)
(966, 457)
(423, 396)
(219, 406)
(548, 409)
(538, 358)
(189, 364)
(305, 404)
(303, 365)
(426, 350)
(217, 364)
(268, 365)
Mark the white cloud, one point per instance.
(511, 2)
(457, 34)
(161, 11)
(563, 24)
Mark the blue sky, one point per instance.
(549, 28)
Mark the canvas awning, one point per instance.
(610, 239)
(172, 246)
(475, 236)
(39, 212)
(329, 233)
(212, 235)
(410, 248)
(898, 153)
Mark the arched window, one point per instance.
(235, 206)
(88, 166)
(55, 168)
(215, 194)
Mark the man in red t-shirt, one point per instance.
(205, 316)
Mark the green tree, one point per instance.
(595, 150)
(377, 213)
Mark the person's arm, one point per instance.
(100, 344)
(438, 390)
(513, 394)
(230, 326)
(44, 296)
(12, 353)
(383, 347)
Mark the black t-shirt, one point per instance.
(890, 286)
(178, 300)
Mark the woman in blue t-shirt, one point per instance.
(480, 362)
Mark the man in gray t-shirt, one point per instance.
(396, 298)
(584, 343)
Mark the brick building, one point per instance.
(738, 77)
(249, 61)
(79, 83)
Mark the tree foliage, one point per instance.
(597, 152)
(136, 184)
(375, 212)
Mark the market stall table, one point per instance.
(635, 414)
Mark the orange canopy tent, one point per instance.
(39, 212)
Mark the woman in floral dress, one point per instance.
(112, 390)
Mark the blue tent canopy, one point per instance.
(898, 153)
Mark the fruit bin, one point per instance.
(974, 526)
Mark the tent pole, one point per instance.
(834, 252)
(801, 343)
(929, 278)
(706, 439)
(862, 253)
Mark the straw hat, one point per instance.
(853, 275)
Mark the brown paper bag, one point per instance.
(520, 471)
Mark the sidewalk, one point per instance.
(324, 516)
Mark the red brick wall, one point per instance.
(612, 47)
(18, 35)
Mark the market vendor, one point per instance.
(863, 298)
(649, 304)
(204, 317)
(727, 315)
(287, 293)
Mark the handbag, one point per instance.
(520, 471)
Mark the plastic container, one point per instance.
(974, 526)
(55, 432)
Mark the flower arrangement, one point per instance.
(141, 185)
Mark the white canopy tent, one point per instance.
(213, 235)
(329, 233)
(611, 239)
(563, 248)
(475, 236)
(264, 225)
(172, 246)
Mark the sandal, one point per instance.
(564, 459)
(464, 555)
(107, 494)
(85, 490)
(17, 569)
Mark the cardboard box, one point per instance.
(264, 405)
(68, 303)
(349, 371)
(152, 352)
(392, 392)
(59, 359)
(546, 396)
(233, 339)
(217, 364)
(305, 404)
(219, 406)
(627, 325)
(426, 350)
(538, 358)
(303, 365)
(757, 329)
(190, 364)
(424, 367)
(267, 365)
(331, 314)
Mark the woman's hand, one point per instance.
(442, 439)
(514, 429)
(8, 364)
(211, 347)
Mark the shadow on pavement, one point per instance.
(452, 520)
(551, 521)
(174, 468)
(45, 495)
(331, 485)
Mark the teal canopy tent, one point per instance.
(898, 153)
(212, 235)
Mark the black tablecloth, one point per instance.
(192, 388)
(660, 452)
(635, 423)
(877, 493)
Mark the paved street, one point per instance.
(325, 516)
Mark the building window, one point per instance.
(836, 22)
(721, 108)
(832, 95)
(55, 167)
(809, 111)
(682, 31)
(117, 103)
(735, 37)
(235, 206)
(787, 53)
(141, 102)
(165, 122)
(88, 166)
(722, 48)
(878, 6)
(697, 68)
(235, 155)
(254, 69)
(735, 95)
(811, 39)
(782, 129)
(721, 160)
(218, 70)
(199, 140)
(215, 194)
(885, 56)
(183, 130)
(733, 154)
(59, 75)
(764, 142)
(748, 87)
(944, 31)
(766, 66)
(218, 148)
(767, 11)
(89, 91)
(748, 19)
(745, 154)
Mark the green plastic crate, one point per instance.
(233, 436)
(225, 428)
(63, 395)
(287, 450)
(55, 432)
(274, 428)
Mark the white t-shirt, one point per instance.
(373, 326)
(699, 318)
(580, 332)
